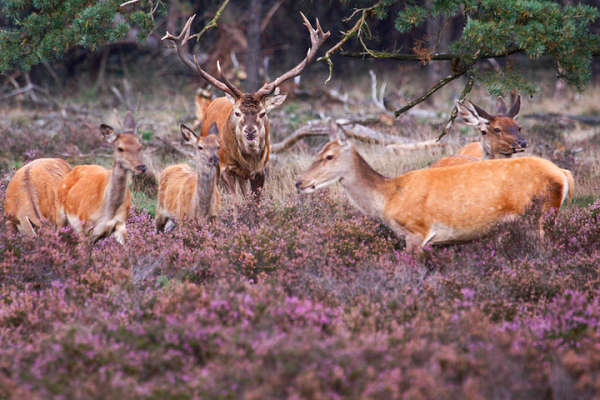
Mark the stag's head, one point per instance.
(127, 147)
(207, 148)
(330, 165)
(500, 133)
(250, 110)
(249, 117)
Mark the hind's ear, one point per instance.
(108, 133)
(213, 129)
(336, 133)
(188, 135)
(501, 108)
(514, 110)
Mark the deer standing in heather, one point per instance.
(96, 200)
(242, 117)
(500, 134)
(183, 192)
(31, 195)
(438, 205)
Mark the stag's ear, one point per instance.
(108, 133)
(501, 108)
(230, 98)
(188, 135)
(213, 129)
(514, 110)
(129, 122)
(274, 101)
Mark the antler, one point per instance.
(180, 41)
(317, 37)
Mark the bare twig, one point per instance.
(419, 58)
(454, 113)
(270, 14)
(378, 100)
(213, 22)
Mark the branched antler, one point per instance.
(180, 41)
(317, 38)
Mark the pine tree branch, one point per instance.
(433, 57)
(441, 83)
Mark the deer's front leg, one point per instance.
(229, 181)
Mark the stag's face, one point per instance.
(249, 116)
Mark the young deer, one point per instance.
(439, 206)
(242, 117)
(31, 195)
(184, 192)
(96, 200)
(500, 134)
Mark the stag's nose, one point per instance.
(214, 160)
(250, 132)
(522, 143)
(141, 168)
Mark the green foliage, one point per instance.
(495, 28)
(43, 30)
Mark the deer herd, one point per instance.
(456, 200)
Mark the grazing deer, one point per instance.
(242, 117)
(202, 100)
(500, 134)
(31, 195)
(439, 206)
(184, 192)
(95, 199)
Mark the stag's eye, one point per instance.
(329, 157)
(496, 130)
(519, 129)
(262, 114)
(200, 148)
(237, 114)
(120, 149)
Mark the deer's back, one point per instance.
(176, 189)
(33, 190)
(454, 160)
(473, 149)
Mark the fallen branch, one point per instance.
(352, 129)
(584, 119)
(415, 146)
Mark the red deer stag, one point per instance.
(184, 192)
(95, 199)
(242, 117)
(500, 134)
(31, 195)
(439, 206)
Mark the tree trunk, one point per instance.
(253, 39)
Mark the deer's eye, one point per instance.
(329, 157)
(262, 114)
(483, 132)
(200, 148)
(120, 149)
(496, 130)
(237, 114)
(519, 129)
